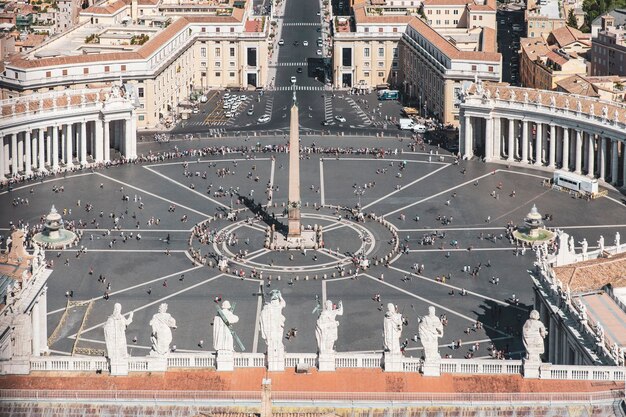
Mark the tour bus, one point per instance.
(388, 95)
(575, 182)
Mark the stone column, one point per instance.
(97, 152)
(2, 167)
(42, 148)
(55, 148)
(36, 320)
(20, 152)
(27, 152)
(469, 133)
(579, 152)
(591, 155)
(489, 139)
(552, 152)
(48, 148)
(35, 151)
(565, 149)
(43, 322)
(614, 161)
(133, 135)
(107, 141)
(497, 134)
(602, 158)
(524, 142)
(83, 143)
(62, 134)
(128, 147)
(14, 166)
(539, 144)
(511, 145)
(69, 145)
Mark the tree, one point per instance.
(571, 19)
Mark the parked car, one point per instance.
(293, 79)
(319, 52)
(305, 43)
(264, 119)
(340, 119)
(281, 42)
(299, 70)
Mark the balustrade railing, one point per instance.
(479, 366)
(68, 363)
(293, 359)
(588, 373)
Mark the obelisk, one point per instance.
(294, 173)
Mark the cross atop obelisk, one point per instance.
(294, 172)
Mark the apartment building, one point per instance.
(610, 87)
(608, 48)
(434, 68)
(166, 55)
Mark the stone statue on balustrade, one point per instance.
(115, 333)
(392, 330)
(222, 331)
(430, 330)
(572, 244)
(584, 246)
(617, 240)
(601, 245)
(533, 334)
(273, 330)
(162, 324)
(326, 327)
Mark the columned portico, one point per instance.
(614, 161)
(565, 149)
(14, 164)
(2, 167)
(591, 155)
(602, 157)
(511, 144)
(107, 141)
(83, 143)
(539, 143)
(489, 139)
(525, 134)
(28, 153)
(41, 148)
(55, 148)
(579, 151)
(552, 151)
(69, 145)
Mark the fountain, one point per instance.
(533, 231)
(54, 236)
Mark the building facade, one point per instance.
(608, 49)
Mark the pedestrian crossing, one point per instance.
(328, 108)
(300, 88)
(301, 23)
(290, 64)
(269, 106)
(364, 118)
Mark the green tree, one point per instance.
(571, 19)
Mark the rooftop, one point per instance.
(602, 309)
(594, 274)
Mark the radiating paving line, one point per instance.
(153, 195)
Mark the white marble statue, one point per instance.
(525, 96)
(552, 101)
(430, 330)
(592, 110)
(326, 327)
(115, 333)
(273, 322)
(533, 334)
(585, 246)
(392, 330)
(601, 244)
(617, 240)
(162, 324)
(572, 244)
(513, 96)
(567, 104)
(605, 112)
(222, 335)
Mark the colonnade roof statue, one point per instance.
(223, 334)
(162, 324)
(611, 111)
(273, 321)
(115, 333)
(533, 334)
(326, 327)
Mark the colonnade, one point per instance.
(593, 153)
(31, 149)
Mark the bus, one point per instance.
(575, 182)
(388, 95)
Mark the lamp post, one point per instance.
(359, 192)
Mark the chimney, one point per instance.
(608, 21)
(133, 11)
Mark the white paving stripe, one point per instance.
(405, 186)
(322, 198)
(204, 161)
(153, 195)
(187, 188)
(191, 287)
(134, 286)
(402, 290)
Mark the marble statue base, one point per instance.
(531, 369)
(16, 367)
(431, 368)
(119, 367)
(156, 363)
(306, 240)
(326, 362)
(225, 360)
(276, 360)
(392, 363)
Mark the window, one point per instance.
(456, 12)
(107, 68)
(381, 64)
(367, 29)
(346, 57)
(395, 29)
(48, 74)
(123, 67)
(203, 52)
(203, 64)
(141, 117)
(232, 52)
(217, 30)
(218, 64)
(232, 29)
(473, 17)
(218, 74)
(218, 52)
(381, 52)
(447, 22)
(252, 57)
(380, 29)
(490, 68)
(429, 12)
(395, 52)
(203, 74)
(366, 74)
(473, 67)
(366, 64)
(140, 92)
(231, 74)
(381, 74)
(85, 70)
(231, 63)
(480, 17)
(366, 52)
(64, 72)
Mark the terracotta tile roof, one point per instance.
(342, 380)
(594, 274)
(556, 58)
(602, 309)
(148, 2)
(31, 40)
(447, 2)
(567, 35)
(143, 52)
(108, 7)
(254, 26)
(361, 16)
(24, 103)
(577, 85)
(447, 48)
(489, 43)
(533, 47)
